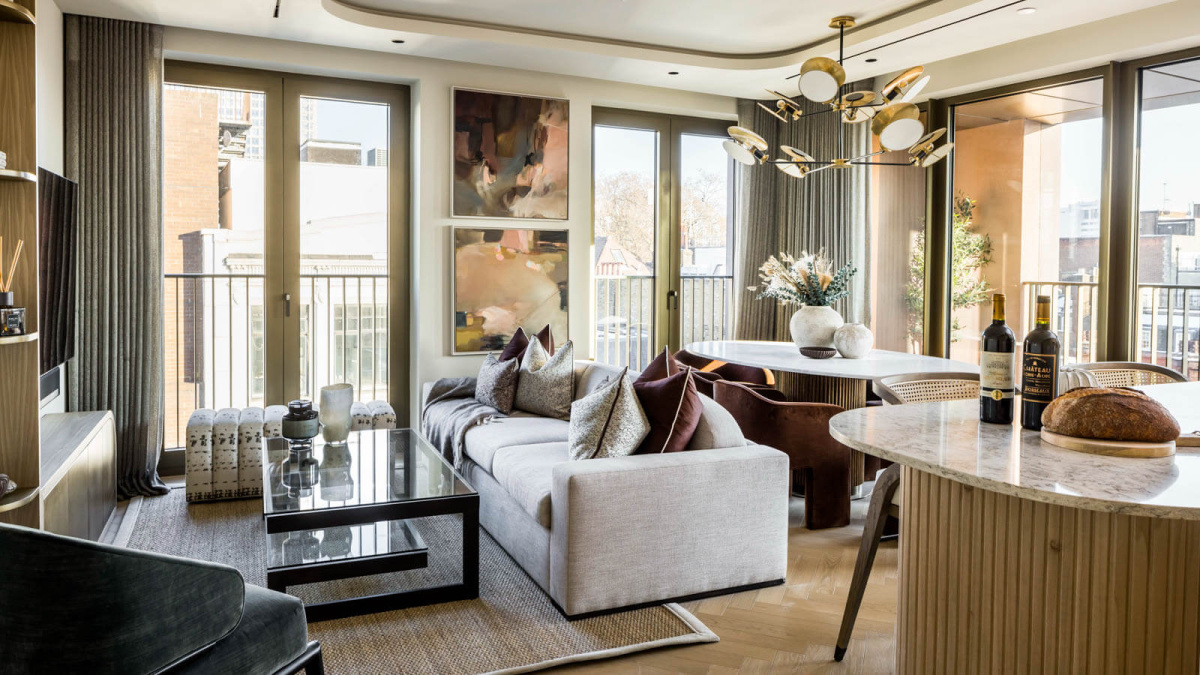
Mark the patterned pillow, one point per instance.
(497, 383)
(608, 422)
(547, 383)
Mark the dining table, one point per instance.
(1017, 555)
(837, 380)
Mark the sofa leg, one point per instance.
(827, 497)
(877, 516)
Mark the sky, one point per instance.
(353, 122)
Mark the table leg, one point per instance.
(470, 555)
(848, 393)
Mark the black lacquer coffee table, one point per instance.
(336, 511)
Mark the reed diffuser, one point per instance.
(12, 319)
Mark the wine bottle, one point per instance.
(997, 364)
(1039, 368)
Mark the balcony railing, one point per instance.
(215, 341)
(625, 315)
(1168, 319)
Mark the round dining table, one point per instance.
(1020, 556)
(835, 380)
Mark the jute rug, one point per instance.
(510, 628)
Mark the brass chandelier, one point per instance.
(893, 117)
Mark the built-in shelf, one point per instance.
(16, 339)
(10, 174)
(14, 13)
(17, 498)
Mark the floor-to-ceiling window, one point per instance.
(1168, 208)
(1025, 213)
(663, 200)
(896, 217)
(283, 204)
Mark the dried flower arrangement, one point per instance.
(807, 280)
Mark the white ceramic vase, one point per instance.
(853, 340)
(813, 326)
(336, 400)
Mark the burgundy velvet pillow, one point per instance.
(663, 366)
(515, 348)
(672, 406)
(704, 380)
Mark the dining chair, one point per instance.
(801, 430)
(885, 499)
(1130, 373)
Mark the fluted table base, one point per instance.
(996, 584)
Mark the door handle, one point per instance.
(672, 299)
(287, 304)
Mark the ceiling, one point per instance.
(715, 46)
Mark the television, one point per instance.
(58, 210)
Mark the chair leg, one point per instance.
(885, 489)
(309, 661)
(827, 496)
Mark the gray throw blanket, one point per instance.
(449, 412)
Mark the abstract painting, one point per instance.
(505, 280)
(510, 156)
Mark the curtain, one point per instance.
(823, 211)
(113, 77)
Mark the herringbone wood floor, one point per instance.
(790, 628)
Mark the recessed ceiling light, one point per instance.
(397, 41)
(872, 60)
(673, 72)
(1026, 10)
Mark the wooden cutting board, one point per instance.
(1110, 448)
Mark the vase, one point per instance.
(336, 400)
(853, 340)
(813, 326)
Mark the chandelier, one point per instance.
(894, 119)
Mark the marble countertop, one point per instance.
(786, 357)
(948, 440)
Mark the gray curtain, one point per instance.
(113, 77)
(826, 210)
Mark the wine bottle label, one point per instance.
(996, 375)
(1039, 373)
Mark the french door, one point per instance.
(663, 228)
(285, 206)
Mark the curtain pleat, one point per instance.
(113, 76)
(779, 213)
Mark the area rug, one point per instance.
(510, 628)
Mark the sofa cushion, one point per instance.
(272, 632)
(591, 375)
(526, 472)
(481, 442)
(673, 407)
(608, 422)
(717, 428)
(496, 384)
(547, 383)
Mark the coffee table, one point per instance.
(336, 511)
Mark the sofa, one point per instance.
(600, 535)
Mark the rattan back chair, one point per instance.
(1130, 373)
(927, 387)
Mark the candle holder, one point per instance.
(12, 319)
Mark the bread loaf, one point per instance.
(1111, 415)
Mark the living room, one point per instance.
(393, 336)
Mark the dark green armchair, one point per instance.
(69, 605)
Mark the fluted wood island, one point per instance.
(1020, 556)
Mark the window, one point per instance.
(897, 234)
(1026, 213)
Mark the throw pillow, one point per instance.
(546, 337)
(546, 384)
(673, 407)
(515, 348)
(608, 422)
(662, 366)
(497, 383)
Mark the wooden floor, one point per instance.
(790, 628)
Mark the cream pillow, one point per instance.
(547, 383)
(608, 422)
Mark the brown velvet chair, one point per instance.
(802, 431)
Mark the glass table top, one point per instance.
(372, 467)
(333, 544)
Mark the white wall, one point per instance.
(431, 81)
(49, 86)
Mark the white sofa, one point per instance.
(605, 534)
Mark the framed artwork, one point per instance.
(510, 156)
(506, 279)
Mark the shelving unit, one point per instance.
(12, 12)
(20, 430)
(18, 339)
(9, 174)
